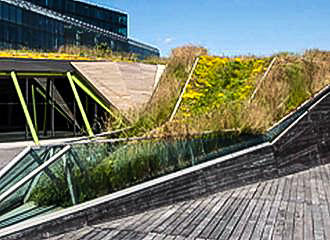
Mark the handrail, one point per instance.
(34, 173)
(13, 162)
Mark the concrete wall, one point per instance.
(304, 144)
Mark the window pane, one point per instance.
(5, 12)
(19, 16)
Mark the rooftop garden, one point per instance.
(79, 53)
(241, 94)
(228, 101)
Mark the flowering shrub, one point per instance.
(220, 80)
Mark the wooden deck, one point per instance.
(291, 207)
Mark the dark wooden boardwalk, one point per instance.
(291, 207)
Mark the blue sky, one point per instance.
(231, 27)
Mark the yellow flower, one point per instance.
(192, 95)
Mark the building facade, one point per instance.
(49, 24)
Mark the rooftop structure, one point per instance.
(48, 25)
(45, 97)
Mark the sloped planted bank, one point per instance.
(217, 82)
(299, 142)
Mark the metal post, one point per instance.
(82, 111)
(46, 107)
(68, 173)
(53, 107)
(27, 103)
(25, 109)
(75, 118)
(95, 123)
(34, 108)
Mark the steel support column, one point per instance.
(82, 111)
(25, 108)
(34, 108)
(92, 95)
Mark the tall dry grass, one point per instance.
(160, 107)
(292, 80)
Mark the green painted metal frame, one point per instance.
(46, 103)
(92, 95)
(81, 108)
(25, 108)
(34, 108)
(73, 80)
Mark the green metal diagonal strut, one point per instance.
(25, 108)
(92, 95)
(82, 111)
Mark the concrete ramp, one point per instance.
(126, 86)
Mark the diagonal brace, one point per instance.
(81, 108)
(25, 108)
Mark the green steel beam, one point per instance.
(25, 109)
(46, 103)
(92, 95)
(34, 109)
(82, 111)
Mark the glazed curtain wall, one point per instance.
(21, 28)
(101, 17)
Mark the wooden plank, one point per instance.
(271, 220)
(169, 221)
(188, 224)
(163, 218)
(128, 223)
(203, 215)
(324, 201)
(298, 232)
(214, 222)
(239, 229)
(316, 210)
(133, 235)
(268, 201)
(100, 234)
(150, 236)
(228, 229)
(308, 223)
(220, 200)
(110, 234)
(290, 214)
(182, 218)
(121, 234)
(254, 216)
(151, 218)
(283, 208)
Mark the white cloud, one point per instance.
(168, 40)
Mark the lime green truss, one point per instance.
(82, 111)
(95, 98)
(34, 109)
(25, 108)
(92, 95)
